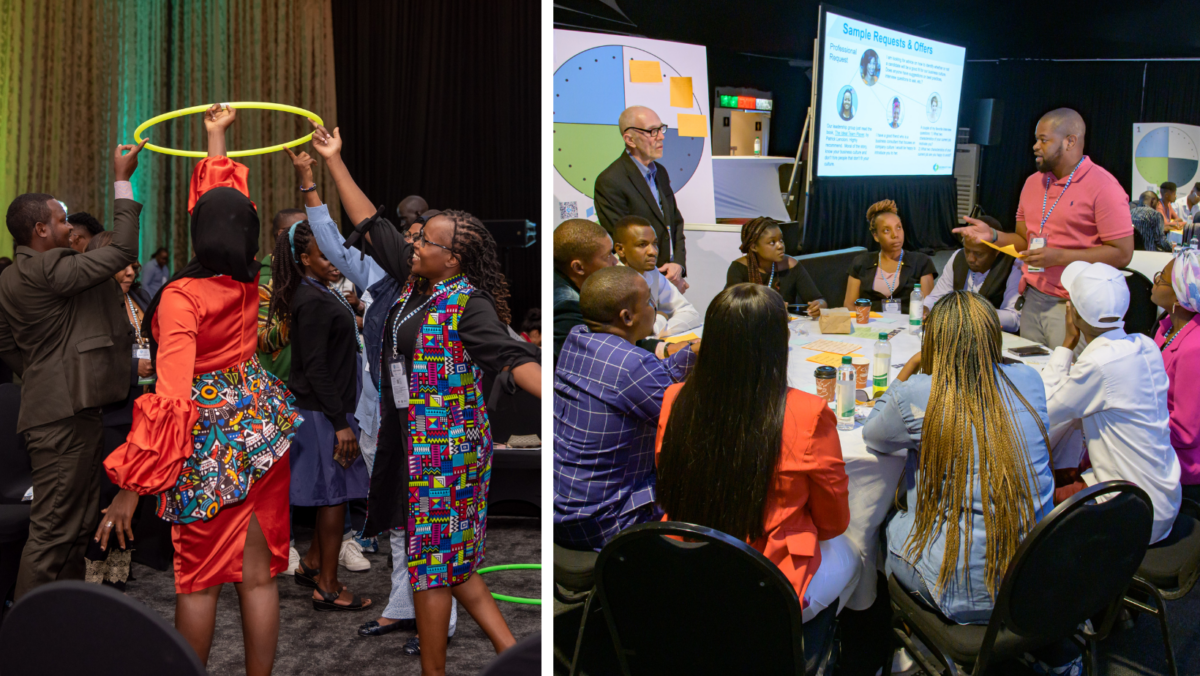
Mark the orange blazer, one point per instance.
(808, 500)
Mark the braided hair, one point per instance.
(475, 249)
(751, 232)
(286, 271)
(879, 208)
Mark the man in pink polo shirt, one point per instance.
(1071, 210)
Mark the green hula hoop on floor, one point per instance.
(513, 566)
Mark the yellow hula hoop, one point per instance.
(252, 105)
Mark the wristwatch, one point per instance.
(314, 187)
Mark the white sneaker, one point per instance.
(351, 557)
(293, 561)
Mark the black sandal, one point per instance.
(412, 647)
(329, 603)
(307, 577)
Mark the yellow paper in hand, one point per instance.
(1008, 250)
(693, 125)
(645, 71)
(681, 92)
(685, 338)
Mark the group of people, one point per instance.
(646, 429)
(1156, 215)
(383, 397)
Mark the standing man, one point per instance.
(1070, 210)
(1166, 205)
(84, 227)
(156, 273)
(635, 185)
(62, 333)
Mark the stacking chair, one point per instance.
(109, 634)
(574, 583)
(1169, 571)
(1073, 566)
(830, 270)
(668, 588)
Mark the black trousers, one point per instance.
(388, 497)
(65, 456)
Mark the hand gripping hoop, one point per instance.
(251, 105)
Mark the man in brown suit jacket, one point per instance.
(63, 330)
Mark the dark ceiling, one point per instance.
(1067, 29)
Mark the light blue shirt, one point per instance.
(363, 271)
(649, 173)
(154, 276)
(893, 427)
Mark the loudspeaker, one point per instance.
(989, 118)
(518, 233)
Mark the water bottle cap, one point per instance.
(848, 360)
(882, 335)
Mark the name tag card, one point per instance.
(399, 384)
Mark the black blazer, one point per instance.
(622, 191)
(916, 265)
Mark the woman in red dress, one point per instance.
(210, 442)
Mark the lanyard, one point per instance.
(357, 334)
(771, 281)
(459, 282)
(1046, 196)
(134, 321)
(891, 287)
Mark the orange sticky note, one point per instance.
(681, 92)
(645, 71)
(1009, 250)
(693, 125)
(830, 359)
(685, 338)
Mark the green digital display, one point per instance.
(729, 101)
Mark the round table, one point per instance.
(872, 476)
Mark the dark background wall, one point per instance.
(443, 100)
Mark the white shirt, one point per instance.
(1118, 390)
(1185, 212)
(676, 314)
(1010, 316)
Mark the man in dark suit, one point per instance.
(64, 331)
(636, 185)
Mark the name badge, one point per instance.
(399, 384)
(140, 352)
(1036, 243)
(891, 305)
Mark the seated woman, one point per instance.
(1177, 290)
(888, 276)
(939, 547)
(776, 479)
(766, 263)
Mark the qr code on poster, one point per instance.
(567, 210)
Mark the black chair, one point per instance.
(1169, 571)
(791, 238)
(1142, 315)
(830, 270)
(574, 583)
(1074, 565)
(101, 619)
(523, 659)
(665, 599)
(15, 480)
(1139, 241)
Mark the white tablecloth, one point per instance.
(873, 476)
(748, 187)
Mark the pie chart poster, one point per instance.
(592, 86)
(1165, 151)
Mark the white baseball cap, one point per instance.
(1098, 293)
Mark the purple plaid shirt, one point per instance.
(607, 397)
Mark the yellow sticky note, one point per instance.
(876, 315)
(645, 71)
(829, 358)
(693, 125)
(681, 92)
(685, 338)
(1009, 250)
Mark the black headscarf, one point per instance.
(225, 230)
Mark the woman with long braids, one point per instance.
(766, 263)
(327, 469)
(209, 443)
(740, 451)
(969, 505)
(433, 459)
(888, 276)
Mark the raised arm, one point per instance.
(329, 146)
(216, 120)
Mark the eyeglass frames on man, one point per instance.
(656, 132)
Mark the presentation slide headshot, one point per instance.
(933, 109)
(847, 103)
(869, 67)
(895, 113)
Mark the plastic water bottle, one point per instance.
(915, 311)
(757, 146)
(843, 401)
(883, 365)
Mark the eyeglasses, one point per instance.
(656, 132)
(1158, 278)
(420, 239)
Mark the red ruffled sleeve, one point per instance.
(150, 460)
(217, 172)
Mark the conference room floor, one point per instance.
(328, 643)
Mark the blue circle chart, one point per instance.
(1167, 154)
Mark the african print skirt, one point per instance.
(247, 420)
